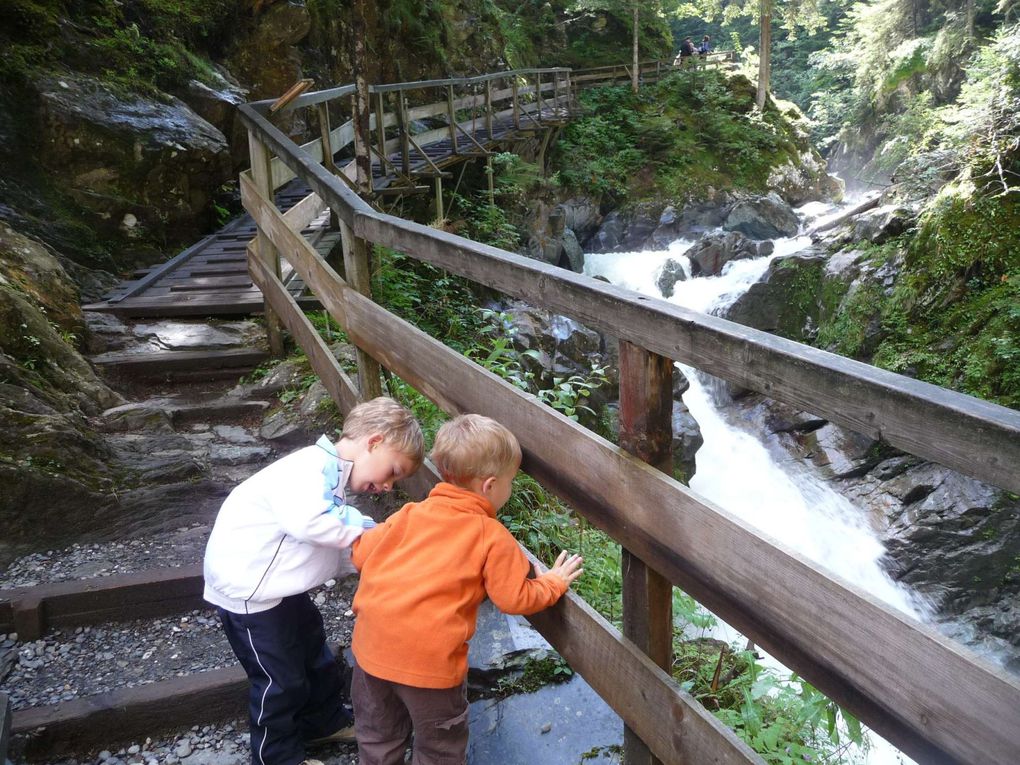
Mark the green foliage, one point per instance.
(984, 124)
(438, 303)
(693, 131)
(137, 44)
(788, 722)
(496, 351)
(567, 393)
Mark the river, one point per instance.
(781, 498)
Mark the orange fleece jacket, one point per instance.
(424, 572)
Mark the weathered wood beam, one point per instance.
(975, 437)
(31, 611)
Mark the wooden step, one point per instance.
(171, 362)
(131, 714)
(32, 611)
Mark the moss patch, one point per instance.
(954, 317)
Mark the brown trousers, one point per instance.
(385, 714)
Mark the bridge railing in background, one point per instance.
(648, 71)
(932, 698)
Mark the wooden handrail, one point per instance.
(934, 700)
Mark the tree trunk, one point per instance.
(970, 19)
(634, 72)
(764, 53)
(362, 105)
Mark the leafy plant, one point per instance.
(567, 393)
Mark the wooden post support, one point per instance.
(440, 214)
(261, 171)
(538, 95)
(380, 124)
(452, 113)
(516, 107)
(327, 145)
(492, 181)
(646, 409)
(488, 108)
(405, 144)
(358, 273)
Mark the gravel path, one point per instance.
(72, 663)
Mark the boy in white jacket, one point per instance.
(277, 535)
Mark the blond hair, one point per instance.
(395, 423)
(473, 446)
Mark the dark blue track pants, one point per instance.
(296, 693)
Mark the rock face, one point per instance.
(140, 165)
(767, 217)
(555, 233)
(953, 540)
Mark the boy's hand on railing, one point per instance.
(567, 567)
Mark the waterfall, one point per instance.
(780, 498)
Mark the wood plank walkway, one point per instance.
(210, 278)
(471, 143)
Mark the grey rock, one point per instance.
(670, 273)
(767, 217)
(709, 254)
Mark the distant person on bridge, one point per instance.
(686, 51)
(280, 533)
(424, 572)
(706, 46)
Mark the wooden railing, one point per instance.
(929, 696)
(464, 104)
(649, 71)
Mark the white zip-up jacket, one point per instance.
(281, 531)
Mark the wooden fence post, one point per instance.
(488, 109)
(453, 117)
(380, 124)
(516, 106)
(358, 274)
(405, 144)
(646, 431)
(261, 171)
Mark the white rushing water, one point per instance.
(785, 501)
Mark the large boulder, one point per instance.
(627, 230)
(881, 224)
(785, 301)
(141, 165)
(712, 252)
(693, 218)
(767, 217)
(805, 180)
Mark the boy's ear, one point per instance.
(374, 440)
(487, 484)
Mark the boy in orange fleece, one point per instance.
(424, 572)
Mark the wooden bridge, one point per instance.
(478, 116)
(929, 696)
